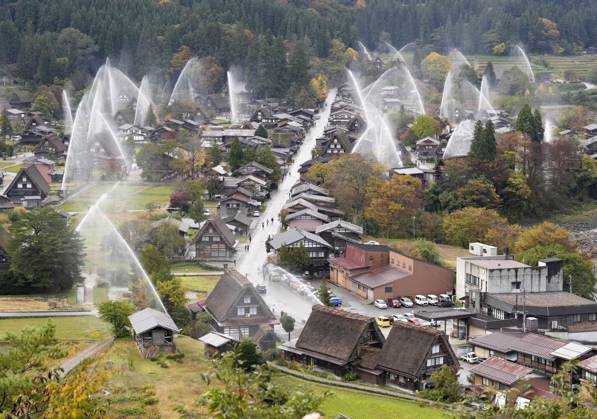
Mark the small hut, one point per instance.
(217, 343)
(154, 332)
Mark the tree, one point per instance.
(117, 314)
(287, 323)
(5, 127)
(261, 131)
(424, 126)
(294, 258)
(236, 155)
(426, 250)
(173, 296)
(46, 251)
(180, 200)
(470, 224)
(489, 74)
(154, 262)
(247, 355)
(435, 67)
(180, 58)
(477, 192)
(255, 395)
(446, 387)
(483, 146)
(324, 293)
(543, 234)
(319, 87)
(477, 145)
(393, 203)
(214, 155)
(46, 104)
(195, 190)
(575, 268)
(527, 123)
(167, 239)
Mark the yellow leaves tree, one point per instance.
(544, 234)
(435, 67)
(319, 86)
(351, 54)
(393, 203)
(472, 224)
(499, 49)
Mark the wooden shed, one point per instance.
(154, 332)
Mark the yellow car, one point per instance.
(383, 321)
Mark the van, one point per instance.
(421, 300)
(383, 321)
(432, 299)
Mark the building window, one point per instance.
(485, 381)
(515, 285)
(205, 238)
(253, 311)
(247, 299)
(435, 349)
(388, 289)
(240, 311)
(244, 332)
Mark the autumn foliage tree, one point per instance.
(393, 203)
(471, 224)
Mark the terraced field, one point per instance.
(580, 64)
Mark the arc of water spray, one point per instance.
(530, 73)
(96, 209)
(365, 50)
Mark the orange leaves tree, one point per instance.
(393, 203)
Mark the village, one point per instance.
(409, 242)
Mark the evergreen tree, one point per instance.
(489, 144)
(538, 127)
(324, 293)
(525, 122)
(298, 66)
(490, 74)
(261, 131)
(236, 155)
(5, 127)
(477, 145)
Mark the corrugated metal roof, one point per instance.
(216, 339)
(571, 350)
(148, 319)
(501, 370)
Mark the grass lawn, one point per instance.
(580, 64)
(447, 253)
(38, 302)
(189, 267)
(14, 168)
(67, 328)
(200, 284)
(142, 388)
(360, 405)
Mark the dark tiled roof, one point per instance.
(221, 228)
(36, 178)
(407, 346)
(589, 364)
(501, 370)
(333, 332)
(551, 303)
(528, 343)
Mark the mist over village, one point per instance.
(298, 209)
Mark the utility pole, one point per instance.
(524, 311)
(570, 282)
(414, 227)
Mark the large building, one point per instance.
(378, 272)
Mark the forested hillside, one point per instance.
(145, 34)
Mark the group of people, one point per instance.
(267, 221)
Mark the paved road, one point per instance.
(280, 297)
(21, 314)
(92, 350)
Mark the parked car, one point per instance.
(260, 288)
(408, 315)
(335, 301)
(396, 303)
(421, 300)
(405, 302)
(255, 213)
(380, 304)
(206, 212)
(445, 303)
(383, 321)
(399, 318)
(471, 358)
(432, 299)
(418, 322)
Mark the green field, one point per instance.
(67, 328)
(201, 284)
(125, 197)
(580, 64)
(360, 405)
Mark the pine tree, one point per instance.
(261, 131)
(5, 127)
(490, 74)
(489, 141)
(538, 127)
(525, 122)
(476, 151)
(236, 155)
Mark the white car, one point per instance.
(408, 315)
(432, 299)
(471, 358)
(256, 213)
(380, 304)
(405, 302)
(421, 300)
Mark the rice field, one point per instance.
(580, 64)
